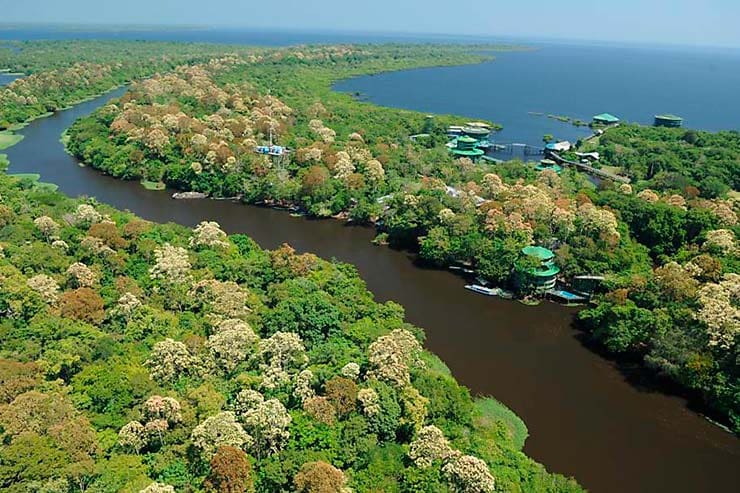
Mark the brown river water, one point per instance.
(585, 417)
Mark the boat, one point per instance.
(477, 288)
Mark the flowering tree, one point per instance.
(351, 370)
(370, 401)
(468, 474)
(166, 408)
(132, 436)
(303, 389)
(280, 355)
(158, 488)
(392, 355)
(267, 423)
(232, 344)
(127, 305)
(428, 446)
(46, 226)
(720, 311)
(169, 360)
(80, 275)
(172, 264)
(46, 286)
(721, 241)
(86, 215)
(648, 196)
(217, 431)
(209, 234)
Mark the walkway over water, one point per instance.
(589, 169)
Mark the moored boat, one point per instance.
(477, 288)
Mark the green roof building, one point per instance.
(548, 164)
(605, 119)
(466, 147)
(544, 277)
(668, 121)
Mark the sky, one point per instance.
(695, 22)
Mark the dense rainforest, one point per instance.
(666, 245)
(197, 128)
(140, 357)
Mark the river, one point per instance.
(584, 416)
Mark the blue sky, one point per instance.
(701, 22)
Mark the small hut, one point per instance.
(605, 119)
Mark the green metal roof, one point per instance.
(669, 117)
(539, 252)
(606, 117)
(553, 270)
(468, 152)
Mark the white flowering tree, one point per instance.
(720, 311)
(80, 275)
(232, 344)
(428, 446)
(392, 356)
(209, 234)
(468, 474)
(169, 360)
(158, 488)
(172, 265)
(216, 431)
(281, 355)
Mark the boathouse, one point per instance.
(544, 276)
(562, 146)
(605, 119)
(672, 121)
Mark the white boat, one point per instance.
(482, 289)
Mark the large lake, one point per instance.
(587, 416)
(577, 81)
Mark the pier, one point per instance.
(589, 169)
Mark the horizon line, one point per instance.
(9, 25)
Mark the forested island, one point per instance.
(666, 246)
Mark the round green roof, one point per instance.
(468, 152)
(539, 252)
(551, 271)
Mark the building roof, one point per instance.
(467, 140)
(539, 252)
(669, 117)
(606, 117)
(559, 146)
(552, 270)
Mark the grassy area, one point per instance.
(152, 185)
(488, 409)
(8, 139)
